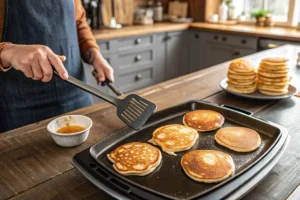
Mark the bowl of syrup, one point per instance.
(70, 130)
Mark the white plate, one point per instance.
(257, 95)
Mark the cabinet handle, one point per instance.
(167, 38)
(243, 41)
(138, 41)
(196, 36)
(138, 77)
(216, 37)
(224, 39)
(237, 53)
(138, 58)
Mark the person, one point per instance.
(37, 36)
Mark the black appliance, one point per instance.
(93, 13)
(251, 167)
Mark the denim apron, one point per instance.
(46, 22)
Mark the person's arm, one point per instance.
(89, 49)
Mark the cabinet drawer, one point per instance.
(137, 80)
(234, 40)
(135, 42)
(133, 59)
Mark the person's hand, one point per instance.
(102, 69)
(35, 61)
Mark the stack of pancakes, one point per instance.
(241, 77)
(273, 76)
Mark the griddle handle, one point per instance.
(238, 109)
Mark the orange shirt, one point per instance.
(85, 37)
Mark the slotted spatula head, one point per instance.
(135, 110)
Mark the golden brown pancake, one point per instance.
(274, 88)
(239, 139)
(279, 71)
(242, 65)
(135, 158)
(240, 73)
(283, 83)
(233, 82)
(272, 75)
(243, 77)
(253, 85)
(207, 166)
(273, 67)
(281, 79)
(247, 90)
(203, 120)
(275, 60)
(174, 138)
(242, 80)
(272, 93)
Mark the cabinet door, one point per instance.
(240, 52)
(218, 53)
(176, 55)
(160, 57)
(196, 57)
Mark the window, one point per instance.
(279, 9)
(283, 11)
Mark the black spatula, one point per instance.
(133, 109)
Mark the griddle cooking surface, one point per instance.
(169, 180)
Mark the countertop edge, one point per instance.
(288, 34)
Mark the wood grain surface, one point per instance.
(34, 167)
(290, 34)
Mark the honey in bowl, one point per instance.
(70, 129)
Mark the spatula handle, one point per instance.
(90, 89)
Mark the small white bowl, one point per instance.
(72, 139)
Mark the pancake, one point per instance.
(239, 139)
(203, 120)
(253, 85)
(135, 158)
(275, 88)
(174, 138)
(283, 83)
(273, 67)
(277, 80)
(281, 71)
(230, 81)
(245, 90)
(272, 93)
(244, 77)
(275, 60)
(241, 73)
(242, 80)
(207, 166)
(272, 75)
(242, 65)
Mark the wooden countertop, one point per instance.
(267, 32)
(106, 34)
(34, 167)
